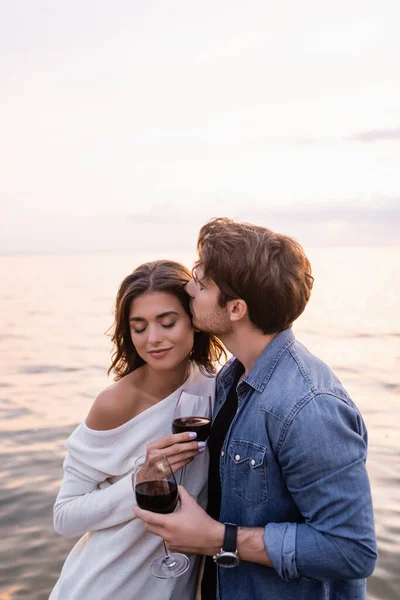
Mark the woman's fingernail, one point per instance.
(202, 449)
(192, 434)
(201, 445)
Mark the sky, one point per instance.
(126, 125)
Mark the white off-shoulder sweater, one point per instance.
(112, 560)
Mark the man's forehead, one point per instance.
(198, 273)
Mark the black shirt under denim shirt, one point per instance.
(216, 439)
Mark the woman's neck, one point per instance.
(160, 383)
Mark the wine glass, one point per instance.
(156, 490)
(192, 413)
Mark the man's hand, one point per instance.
(189, 530)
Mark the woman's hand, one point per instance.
(179, 448)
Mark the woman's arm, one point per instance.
(83, 503)
(82, 506)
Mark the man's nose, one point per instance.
(189, 288)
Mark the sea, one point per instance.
(55, 311)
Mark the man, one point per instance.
(287, 446)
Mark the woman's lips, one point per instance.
(159, 353)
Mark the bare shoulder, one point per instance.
(113, 407)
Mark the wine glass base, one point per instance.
(176, 565)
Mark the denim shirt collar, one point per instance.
(264, 366)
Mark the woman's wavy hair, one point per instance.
(158, 276)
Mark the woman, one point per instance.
(157, 353)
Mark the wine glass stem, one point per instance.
(182, 475)
(168, 560)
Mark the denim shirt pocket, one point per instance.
(248, 472)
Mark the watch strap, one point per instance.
(230, 538)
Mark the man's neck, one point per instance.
(247, 344)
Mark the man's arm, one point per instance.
(323, 462)
(192, 531)
(322, 458)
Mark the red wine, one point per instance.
(159, 496)
(201, 425)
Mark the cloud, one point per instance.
(165, 228)
(379, 212)
(379, 209)
(376, 135)
(306, 141)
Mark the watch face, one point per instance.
(227, 560)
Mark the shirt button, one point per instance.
(237, 457)
(252, 462)
(222, 453)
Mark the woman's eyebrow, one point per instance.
(160, 316)
(167, 313)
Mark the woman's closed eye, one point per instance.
(164, 325)
(139, 330)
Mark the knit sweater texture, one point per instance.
(111, 561)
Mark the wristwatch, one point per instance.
(228, 557)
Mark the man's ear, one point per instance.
(237, 309)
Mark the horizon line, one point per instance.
(27, 253)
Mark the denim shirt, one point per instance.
(293, 463)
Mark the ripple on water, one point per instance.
(31, 553)
(38, 369)
(15, 412)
